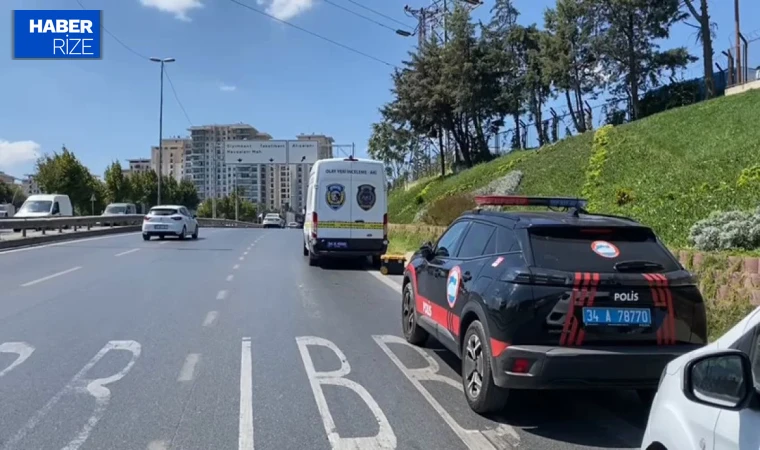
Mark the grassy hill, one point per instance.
(668, 170)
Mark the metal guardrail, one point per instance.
(76, 222)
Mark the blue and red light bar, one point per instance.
(519, 200)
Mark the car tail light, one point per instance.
(177, 217)
(521, 365)
(146, 218)
(314, 224)
(385, 226)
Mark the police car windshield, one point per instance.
(579, 249)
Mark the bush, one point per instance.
(445, 210)
(727, 230)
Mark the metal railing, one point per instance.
(45, 224)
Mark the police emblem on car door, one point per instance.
(365, 196)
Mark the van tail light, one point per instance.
(314, 225)
(385, 226)
(146, 219)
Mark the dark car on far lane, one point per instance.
(552, 300)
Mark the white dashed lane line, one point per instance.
(221, 295)
(127, 252)
(396, 286)
(245, 427)
(50, 277)
(187, 373)
(230, 277)
(236, 267)
(210, 319)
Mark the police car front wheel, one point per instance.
(482, 394)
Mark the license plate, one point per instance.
(162, 227)
(337, 244)
(617, 316)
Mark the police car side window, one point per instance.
(447, 244)
(506, 241)
(475, 241)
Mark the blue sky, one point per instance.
(233, 65)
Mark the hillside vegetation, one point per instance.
(668, 170)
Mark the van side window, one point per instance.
(56, 208)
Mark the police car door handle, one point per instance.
(467, 276)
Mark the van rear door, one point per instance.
(332, 202)
(367, 198)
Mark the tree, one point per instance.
(569, 60)
(705, 34)
(11, 193)
(394, 145)
(627, 45)
(62, 173)
(187, 194)
(116, 184)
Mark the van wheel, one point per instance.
(146, 237)
(305, 250)
(313, 259)
(376, 262)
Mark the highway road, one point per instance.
(234, 342)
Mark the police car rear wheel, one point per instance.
(482, 394)
(413, 333)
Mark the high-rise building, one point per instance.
(7, 179)
(139, 165)
(30, 186)
(173, 157)
(205, 166)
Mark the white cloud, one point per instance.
(227, 88)
(14, 154)
(287, 9)
(179, 8)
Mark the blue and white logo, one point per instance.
(605, 249)
(452, 285)
(57, 34)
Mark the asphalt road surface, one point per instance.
(234, 342)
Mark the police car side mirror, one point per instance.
(426, 250)
(721, 380)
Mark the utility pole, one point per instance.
(162, 61)
(739, 73)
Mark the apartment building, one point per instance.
(30, 186)
(7, 179)
(173, 152)
(139, 165)
(205, 166)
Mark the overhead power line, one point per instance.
(313, 34)
(140, 55)
(368, 19)
(379, 13)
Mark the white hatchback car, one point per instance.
(169, 220)
(709, 399)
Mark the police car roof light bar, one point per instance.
(518, 200)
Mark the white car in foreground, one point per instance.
(169, 220)
(709, 399)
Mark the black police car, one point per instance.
(552, 300)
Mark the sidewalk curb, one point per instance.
(39, 240)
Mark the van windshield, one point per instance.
(37, 206)
(116, 209)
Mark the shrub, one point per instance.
(445, 210)
(727, 230)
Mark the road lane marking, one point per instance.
(50, 277)
(385, 437)
(245, 428)
(22, 349)
(501, 437)
(230, 277)
(221, 295)
(210, 318)
(158, 445)
(387, 281)
(188, 368)
(163, 242)
(241, 258)
(128, 252)
(73, 241)
(80, 385)
(235, 267)
(245, 253)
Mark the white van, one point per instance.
(346, 210)
(45, 205)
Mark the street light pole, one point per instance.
(161, 125)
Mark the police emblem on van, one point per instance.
(335, 196)
(365, 197)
